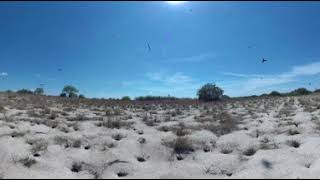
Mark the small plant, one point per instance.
(181, 145)
(109, 112)
(267, 164)
(292, 132)
(182, 132)
(53, 116)
(226, 151)
(76, 167)
(27, 161)
(117, 112)
(76, 143)
(122, 174)
(39, 145)
(17, 134)
(250, 151)
(294, 143)
(142, 140)
(141, 159)
(117, 137)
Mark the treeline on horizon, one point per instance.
(296, 92)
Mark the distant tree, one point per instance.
(126, 98)
(225, 97)
(9, 91)
(63, 95)
(24, 91)
(72, 95)
(317, 91)
(155, 98)
(210, 92)
(70, 91)
(39, 91)
(275, 93)
(300, 91)
(81, 96)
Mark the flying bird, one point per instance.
(251, 46)
(149, 47)
(59, 69)
(264, 60)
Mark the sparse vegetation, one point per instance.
(62, 124)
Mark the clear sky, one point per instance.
(102, 47)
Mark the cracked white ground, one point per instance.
(48, 137)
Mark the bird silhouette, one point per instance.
(264, 60)
(59, 69)
(149, 47)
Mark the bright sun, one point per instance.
(175, 2)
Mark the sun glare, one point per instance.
(176, 2)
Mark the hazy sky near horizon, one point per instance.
(102, 47)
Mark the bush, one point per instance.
(155, 98)
(182, 146)
(72, 95)
(63, 95)
(81, 96)
(300, 91)
(210, 92)
(317, 90)
(24, 91)
(126, 98)
(70, 90)
(275, 93)
(9, 91)
(39, 91)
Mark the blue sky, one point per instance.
(102, 47)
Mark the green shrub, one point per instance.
(24, 91)
(300, 91)
(210, 92)
(275, 93)
(39, 91)
(126, 98)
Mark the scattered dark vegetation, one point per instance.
(155, 98)
(181, 145)
(39, 91)
(24, 91)
(249, 152)
(294, 143)
(267, 164)
(76, 167)
(26, 161)
(122, 174)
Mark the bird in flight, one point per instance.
(59, 69)
(149, 47)
(264, 60)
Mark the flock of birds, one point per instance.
(149, 50)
